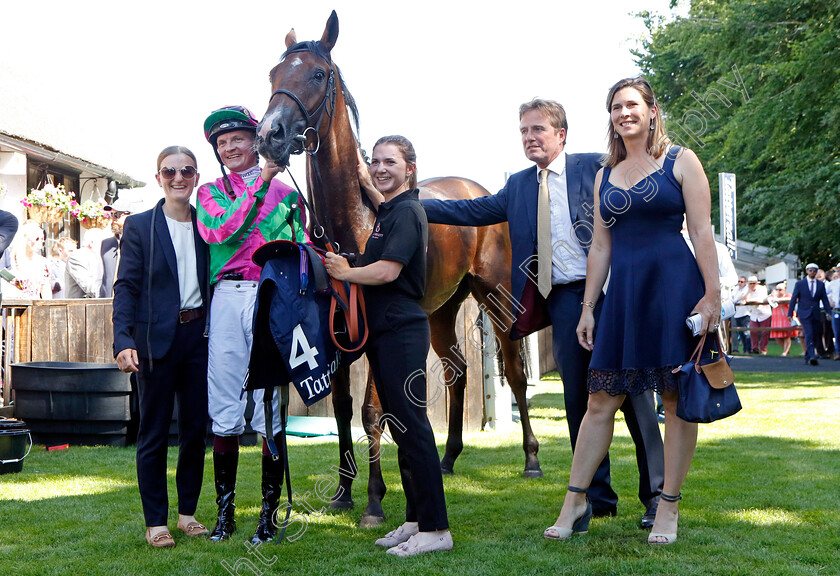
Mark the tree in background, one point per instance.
(781, 134)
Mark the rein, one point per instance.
(346, 295)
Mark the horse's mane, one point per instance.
(315, 48)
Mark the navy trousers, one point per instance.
(182, 373)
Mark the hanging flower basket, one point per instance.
(45, 214)
(48, 204)
(91, 214)
(95, 222)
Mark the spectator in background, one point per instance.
(808, 295)
(779, 301)
(61, 250)
(29, 266)
(110, 250)
(833, 291)
(84, 266)
(825, 344)
(8, 229)
(742, 316)
(760, 314)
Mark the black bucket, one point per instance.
(77, 403)
(13, 445)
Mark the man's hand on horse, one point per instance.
(270, 170)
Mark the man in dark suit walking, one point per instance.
(549, 210)
(809, 293)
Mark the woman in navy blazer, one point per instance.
(160, 298)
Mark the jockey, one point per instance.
(237, 214)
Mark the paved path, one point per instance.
(779, 364)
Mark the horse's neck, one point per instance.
(334, 185)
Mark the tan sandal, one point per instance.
(666, 538)
(194, 529)
(162, 539)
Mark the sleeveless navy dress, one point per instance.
(654, 284)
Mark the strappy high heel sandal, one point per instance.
(580, 526)
(669, 538)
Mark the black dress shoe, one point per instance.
(646, 523)
(604, 512)
(814, 362)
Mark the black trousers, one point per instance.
(397, 359)
(564, 303)
(182, 373)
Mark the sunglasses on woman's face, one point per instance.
(187, 172)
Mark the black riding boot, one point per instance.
(224, 466)
(272, 485)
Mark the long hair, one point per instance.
(406, 148)
(657, 141)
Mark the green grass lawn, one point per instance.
(762, 498)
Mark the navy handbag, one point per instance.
(707, 385)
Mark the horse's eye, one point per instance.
(319, 75)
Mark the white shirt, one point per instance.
(568, 260)
(761, 312)
(740, 295)
(833, 289)
(184, 242)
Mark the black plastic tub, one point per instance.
(15, 444)
(77, 403)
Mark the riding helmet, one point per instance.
(228, 119)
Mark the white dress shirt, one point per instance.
(568, 261)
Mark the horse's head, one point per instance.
(303, 93)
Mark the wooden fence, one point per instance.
(80, 330)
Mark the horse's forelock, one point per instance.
(307, 46)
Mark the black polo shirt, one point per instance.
(400, 234)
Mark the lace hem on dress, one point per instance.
(633, 381)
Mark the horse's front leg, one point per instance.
(343, 406)
(372, 421)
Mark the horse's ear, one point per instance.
(291, 38)
(330, 33)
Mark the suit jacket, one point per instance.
(808, 305)
(8, 229)
(83, 274)
(146, 311)
(516, 203)
(110, 253)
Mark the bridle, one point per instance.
(327, 105)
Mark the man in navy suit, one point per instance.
(570, 180)
(809, 293)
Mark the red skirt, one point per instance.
(780, 320)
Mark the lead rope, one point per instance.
(352, 300)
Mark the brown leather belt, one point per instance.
(185, 316)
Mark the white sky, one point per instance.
(116, 82)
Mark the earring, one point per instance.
(651, 124)
(615, 135)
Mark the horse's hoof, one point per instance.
(447, 470)
(536, 473)
(371, 521)
(341, 505)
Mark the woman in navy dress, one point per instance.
(643, 191)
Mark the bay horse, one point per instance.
(310, 109)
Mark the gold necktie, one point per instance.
(544, 237)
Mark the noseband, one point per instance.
(327, 105)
